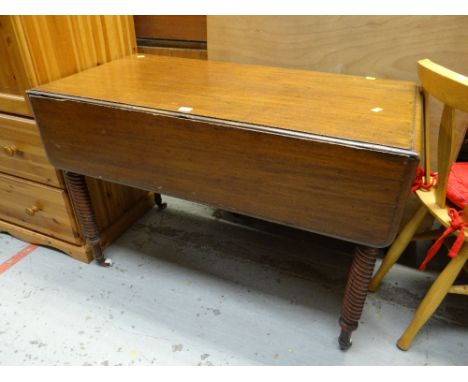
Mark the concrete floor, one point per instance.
(193, 286)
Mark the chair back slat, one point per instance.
(445, 152)
(446, 85)
(427, 136)
(451, 89)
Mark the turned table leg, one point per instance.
(159, 202)
(356, 292)
(79, 195)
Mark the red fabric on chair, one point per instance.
(457, 186)
(456, 223)
(418, 182)
(457, 193)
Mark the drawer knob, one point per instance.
(32, 210)
(10, 150)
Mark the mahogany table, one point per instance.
(327, 153)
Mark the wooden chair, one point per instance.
(451, 89)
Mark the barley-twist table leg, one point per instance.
(79, 194)
(356, 292)
(159, 202)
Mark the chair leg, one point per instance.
(397, 248)
(434, 297)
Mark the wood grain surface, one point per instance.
(171, 27)
(79, 250)
(379, 46)
(14, 104)
(346, 107)
(339, 190)
(39, 49)
(200, 54)
(112, 201)
(54, 215)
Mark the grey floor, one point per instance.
(195, 286)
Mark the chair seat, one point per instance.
(457, 186)
(428, 198)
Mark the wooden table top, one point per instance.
(359, 109)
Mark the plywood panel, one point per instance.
(380, 46)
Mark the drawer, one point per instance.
(37, 207)
(22, 153)
(12, 103)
